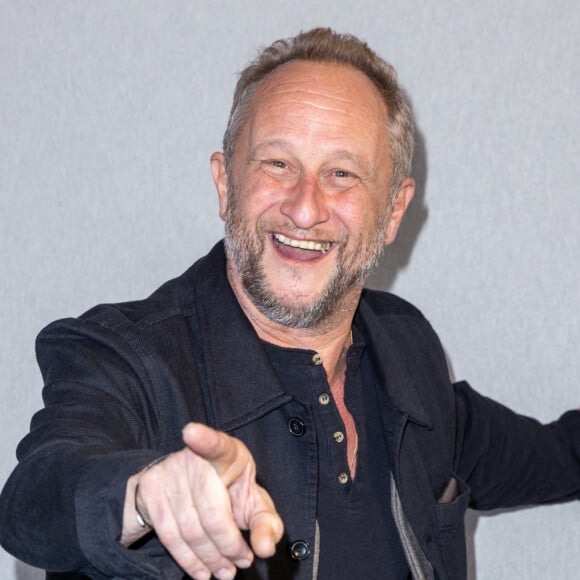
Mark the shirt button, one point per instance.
(338, 436)
(299, 550)
(342, 478)
(296, 426)
(317, 359)
(324, 399)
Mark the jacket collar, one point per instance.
(384, 332)
(241, 382)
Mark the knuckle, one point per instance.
(193, 535)
(154, 475)
(162, 475)
(170, 538)
(214, 520)
(190, 528)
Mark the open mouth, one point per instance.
(309, 245)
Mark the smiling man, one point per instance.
(307, 200)
(263, 416)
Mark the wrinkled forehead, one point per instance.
(318, 92)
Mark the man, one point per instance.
(262, 416)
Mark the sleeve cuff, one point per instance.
(99, 503)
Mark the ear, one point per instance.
(398, 209)
(220, 179)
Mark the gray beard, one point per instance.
(246, 248)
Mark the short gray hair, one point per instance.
(325, 45)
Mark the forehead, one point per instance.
(319, 94)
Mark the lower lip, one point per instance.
(297, 254)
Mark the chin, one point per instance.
(294, 295)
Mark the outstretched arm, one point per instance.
(198, 499)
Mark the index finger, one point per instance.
(228, 456)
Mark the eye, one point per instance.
(341, 179)
(275, 165)
(277, 168)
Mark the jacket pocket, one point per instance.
(450, 513)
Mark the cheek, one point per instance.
(263, 197)
(359, 217)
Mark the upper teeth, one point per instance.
(303, 244)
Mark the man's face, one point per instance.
(306, 201)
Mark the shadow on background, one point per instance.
(396, 257)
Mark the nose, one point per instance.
(306, 205)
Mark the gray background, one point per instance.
(110, 109)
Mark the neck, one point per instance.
(331, 339)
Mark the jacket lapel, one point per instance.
(241, 383)
(404, 413)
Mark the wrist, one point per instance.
(132, 530)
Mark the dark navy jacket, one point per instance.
(123, 380)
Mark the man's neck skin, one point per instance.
(330, 341)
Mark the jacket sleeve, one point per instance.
(61, 509)
(509, 460)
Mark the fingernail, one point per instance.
(225, 574)
(243, 563)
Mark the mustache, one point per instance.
(265, 227)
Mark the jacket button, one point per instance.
(299, 550)
(296, 426)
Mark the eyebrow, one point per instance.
(266, 144)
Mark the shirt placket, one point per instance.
(328, 419)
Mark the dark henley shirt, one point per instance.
(358, 536)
